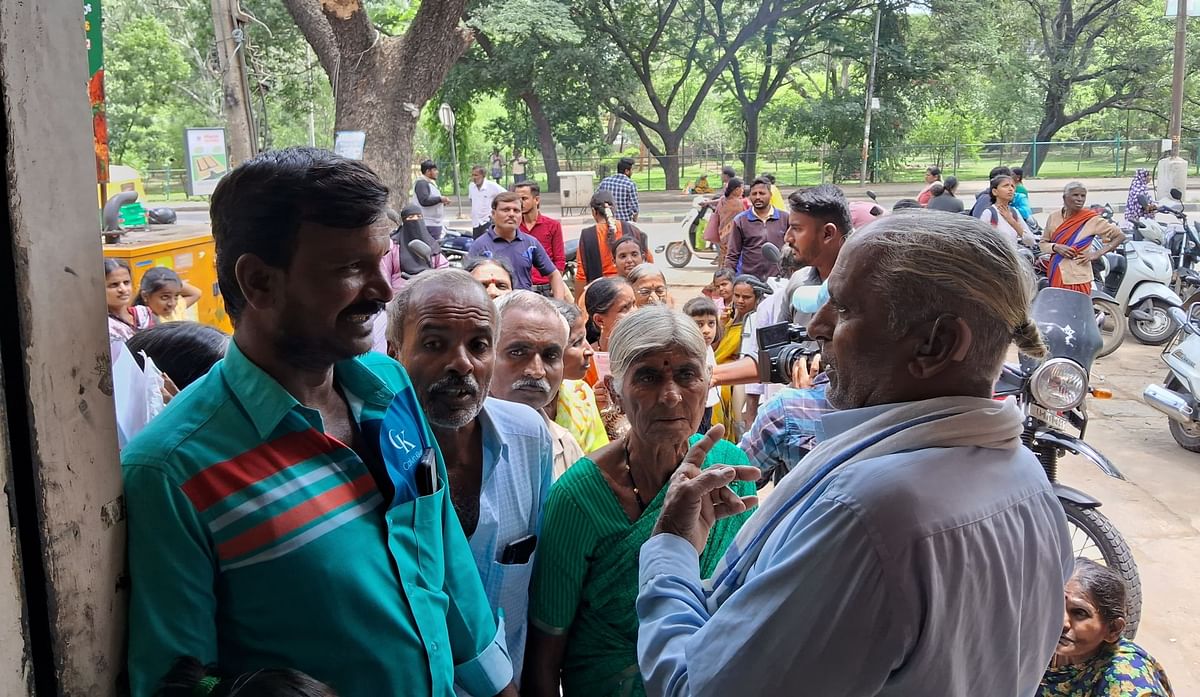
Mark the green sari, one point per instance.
(586, 580)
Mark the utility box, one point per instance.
(575, 191)
(190, 251)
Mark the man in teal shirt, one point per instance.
(290, 508)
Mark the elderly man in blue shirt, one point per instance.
(498, 454)
(918, 549)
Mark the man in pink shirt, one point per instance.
(543, 228)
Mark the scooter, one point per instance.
(679, 253)
(1138, 276)
(1181, 239)
(1053, 393)
(1179, 395)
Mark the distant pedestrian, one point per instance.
(481, 190)
(933, 175)
(1021, 199)
(542, 228)
(983, 199)
(776, 194)
(753, 229)
(505, 240)
(518, 163)
(623, 189)
(944, 198)
(497, 166)
(427, 195)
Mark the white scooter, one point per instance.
(1138, 276)
(679, 253)
(1179, 395)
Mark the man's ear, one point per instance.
(260, 283)
(947, 342)
(829, 231)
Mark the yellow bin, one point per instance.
(187, 249)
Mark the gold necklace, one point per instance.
(637, 495)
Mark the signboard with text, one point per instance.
(93, 36)
(1193, 8)
(207, 159)
(350, 144)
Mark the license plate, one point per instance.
(1050, 418)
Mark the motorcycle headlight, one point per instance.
(1059, 384)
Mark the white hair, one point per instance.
(652, 328)
(929, 263)
(645, 270)
(530, 301)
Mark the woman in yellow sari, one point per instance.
(747, 293)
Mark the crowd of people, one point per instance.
(529, 491)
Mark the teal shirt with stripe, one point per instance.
(257, 541)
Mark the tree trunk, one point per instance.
(545, 138)
(750, 137)
(669, 159)
(1042, 141)
(381, 83)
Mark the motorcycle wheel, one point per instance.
(1188, 437)
(1158, 330)
(1094, 537)
(1111, 325)
(678, 254)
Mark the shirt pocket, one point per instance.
(512, 595)
(417, 527)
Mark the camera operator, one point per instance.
(788, 420)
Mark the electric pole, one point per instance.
(229, 30)
(862, 174)
(1172, 170)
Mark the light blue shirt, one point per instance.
(518, 468)
(933, 572)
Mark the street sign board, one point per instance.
(207, 159)
(1193, 8)
(350, 144)
(446, 116)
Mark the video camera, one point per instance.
(779, 347)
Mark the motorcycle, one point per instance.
(1181, 239)
(679, 253)
(1052, 394)
(1138, 277)
(1179, 395)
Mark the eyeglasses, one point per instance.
(660, 291)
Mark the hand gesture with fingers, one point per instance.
(805, 372)
(699, 498)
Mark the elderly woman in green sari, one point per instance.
(583, 625)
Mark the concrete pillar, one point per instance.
(59, 427)
(1172, 173)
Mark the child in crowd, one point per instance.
(166, 294)
(704, 313)
(1093, 658)
(628, 253)
(190, 678)
(124, 319)
(720, 291)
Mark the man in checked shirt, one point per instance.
(623, 189)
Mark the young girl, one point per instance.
(703, 312)
(1092, 657)
(123, 319)
(190, 678)
(628, 253)
(722, 290)
(167, 296)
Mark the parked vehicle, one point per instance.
(455, 244)
(1053, 394)
(1179, 395)
(679, 253)
(1181, 239)
(1110, 321)
(1138, 276)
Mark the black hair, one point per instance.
(761, 181)
(185, 351)
(570, 311)
(1018, 171)
(190, 678)
(625, 164)
(997, 181)
(600, 199)
(154, 280)
(1104, 588)
(936, 188)
(734, 183)
(769, 177)
(473, 263)
(904, 203)
(259, 206)
(636, 239)
(504, 197)
(826, 203)
(729, 171)
(701, 306)
(598, 299)
(111, 265)
(997, 171)
(723, 275)
(934, 170)
(528, 184)
(951, 184)
(427, 165)
(756, 284)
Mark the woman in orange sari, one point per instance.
(1071, 232)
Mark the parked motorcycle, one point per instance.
(1052, 393)
(1138, 276)
(1181, 239)
(1179, 395)
(1110, 321)
(679, 253)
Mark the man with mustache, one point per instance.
(273, 516)
(529, 363)
(442, 327)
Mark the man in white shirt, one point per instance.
(481, 191)
(919, 548)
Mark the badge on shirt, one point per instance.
(409, 460)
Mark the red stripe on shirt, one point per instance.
(270, 530)
(231, 476)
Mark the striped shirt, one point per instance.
(625, 195)
(258, 541)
